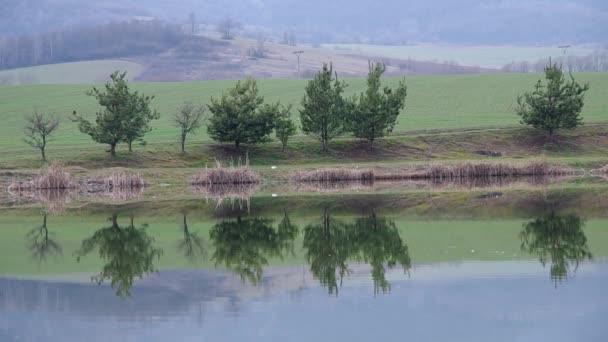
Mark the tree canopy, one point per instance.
(241, 117)
(323, 107)
(554, 105)
(376, 110)
(125, 116)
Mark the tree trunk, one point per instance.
(183, 143)
(130, 149)
(42, 148)
(237, 144)
(112, 150)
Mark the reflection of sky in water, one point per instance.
(505, 301)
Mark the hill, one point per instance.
(69, 73)
(350, 21)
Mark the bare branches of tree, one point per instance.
(189, 118)
(227, 26)
(38, 129)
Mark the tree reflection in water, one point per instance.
(331, 243)
(40, 244)
(128, 253)
(558, 240)
(192, 245)
(245, 245)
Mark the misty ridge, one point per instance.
(519, 22)
(204, 40)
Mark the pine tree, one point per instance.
(284, 127)
(240, 116)
(125, 115)
(554, 105)
(376, 111)
(323, 107)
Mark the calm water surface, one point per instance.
(454, 267)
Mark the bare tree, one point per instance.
(38, 129)
(227, 26)
(188, 119)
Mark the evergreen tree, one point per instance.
(554, 105)
(284, 126)
(323, 107)
(375, 113)
(240, 116)
(125, 116)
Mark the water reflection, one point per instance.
(330, 243)
(558, 240)
(40, 243)
(53, 200)
(128, 252)
(192, 246)
(245, 245)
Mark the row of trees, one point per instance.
(595, 62)
(241, 116)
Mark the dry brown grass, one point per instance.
(435, 172)
(123, 180)
(333, 175)
(489, 170)
(601, 171)
(52, 178)
(226, 175)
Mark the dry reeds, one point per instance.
(124, 180)
(601, 171)
(490, 170)
(333, 175)
(226, 175)
(435, 172)
(53, 178)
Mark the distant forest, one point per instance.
(523, 22)
(111, 40)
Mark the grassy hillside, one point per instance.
(485, 56)
(434, 102)
(69, 73)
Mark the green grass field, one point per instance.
(434, 102)
(484, 56)
(69, 73)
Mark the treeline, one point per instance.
(596, 62)
(241, 116)
(116, 39)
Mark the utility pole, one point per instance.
(565, 48)
(298, 53)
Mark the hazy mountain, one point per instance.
(530, 22)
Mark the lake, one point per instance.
(482, 265)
